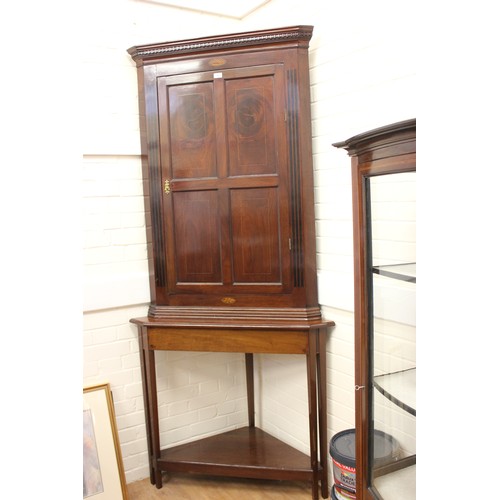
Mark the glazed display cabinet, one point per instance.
(228, 184)
(384, 207)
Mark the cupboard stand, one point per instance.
(247, 452)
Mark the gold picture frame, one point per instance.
(103, 473)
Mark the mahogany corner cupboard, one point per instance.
(383, 163)
(228, 183)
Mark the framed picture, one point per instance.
(103, 475)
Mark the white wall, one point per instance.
(362, 76)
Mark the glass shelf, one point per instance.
(399, 484)
(400, 388)
(403, 272)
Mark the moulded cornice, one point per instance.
(301, 34)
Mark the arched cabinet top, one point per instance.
(388, 135)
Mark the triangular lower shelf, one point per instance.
(245, 452)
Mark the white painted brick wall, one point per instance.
(360, 79)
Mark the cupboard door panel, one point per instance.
(188, 119)
(255, 236)
(196, 233)
(251, 126)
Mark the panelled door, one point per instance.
(225, 203)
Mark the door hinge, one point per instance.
(166, 186)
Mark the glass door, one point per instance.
(391, 279)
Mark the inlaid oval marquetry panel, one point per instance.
(192, 130)
(218, 61)
(250, 116)
(193, 117)
(251, 125)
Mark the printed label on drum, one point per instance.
(345, 475)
